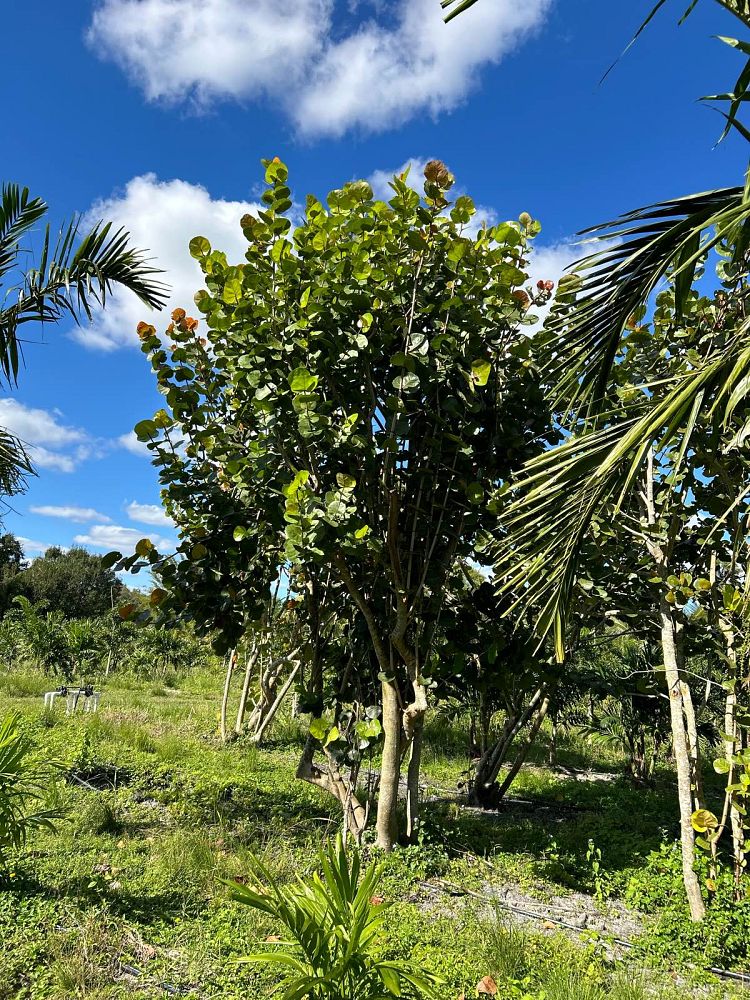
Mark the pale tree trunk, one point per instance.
(696, 770)
(680, 740)
(412, 781)
(691, 728)
(251, 660)
(731, 735)
(274, 708)
(390, 768)
(413, 725)
(386, 824)
(225, 696)
(682, 763)
(525, 747)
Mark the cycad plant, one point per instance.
(332, 921)
(24, 784)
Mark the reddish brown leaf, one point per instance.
(487, 986)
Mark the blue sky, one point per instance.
(157, 112)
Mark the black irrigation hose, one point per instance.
(456, 890)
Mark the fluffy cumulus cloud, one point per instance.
(131, 443)
(408, 63)
(163, 216)
(79, 514)
(31, 547)
(52, 444)
(328, 70)
(207, 49)
(149, 513)
(114, 536)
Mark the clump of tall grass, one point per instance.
(102, 813)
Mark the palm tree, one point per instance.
(566, 486)
(74, 274)
(607, 459)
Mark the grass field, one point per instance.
(127, 898)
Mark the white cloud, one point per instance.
(114, 536)
(383, 74)
(379, 73)
(131, 443)
(207, 49)
(81, 514)
(163, 216)
(51, 443)
(149, 513)
(31, 547)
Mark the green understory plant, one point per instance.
(333, 921)
(23, 784)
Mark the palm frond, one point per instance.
(15, 465)
(562, 489)
(18, 213)
(642, 246)
(459, 6)
(74, 280)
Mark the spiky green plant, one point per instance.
(332, 920)
(24, 785)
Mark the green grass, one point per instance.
(134, 876)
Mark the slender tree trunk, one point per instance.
(413, 725)
(273, 710)
(485, 777)
(225, 696)
(683, 765)
(412, 781)
(390, 770)
(252, 659)
(331, 780)
(691, 727)
(524, 749)
(680, 741)
(690, 721)
(730, 749)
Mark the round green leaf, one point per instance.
(300, 380)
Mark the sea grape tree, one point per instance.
(364, 388)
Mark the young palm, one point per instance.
(23, 782)
(332, 920)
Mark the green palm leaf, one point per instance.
(15, 465)
(74, 274)
(612, 283)
(562, 489)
